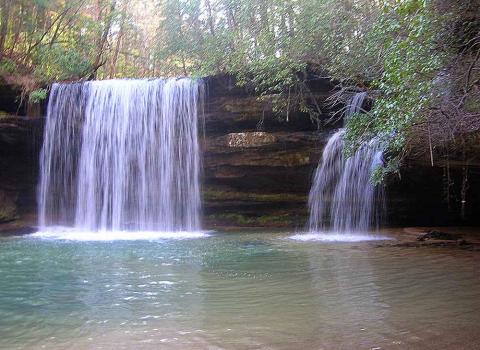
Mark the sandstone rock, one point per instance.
(20, 143)
(8, 207)
(250, 139)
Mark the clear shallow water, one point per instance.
(235, 291)
(338, 237)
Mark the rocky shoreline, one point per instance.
(463, 238)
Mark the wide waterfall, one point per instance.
(343, 197)
(122, 155)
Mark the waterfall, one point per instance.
(342, 195)
(356, 103)
(121, 155)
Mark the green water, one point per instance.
(236, 291)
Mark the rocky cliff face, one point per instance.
(257, 169)
(418, 195)
(20, 142)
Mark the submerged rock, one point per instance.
(16, 230)
(439, 235)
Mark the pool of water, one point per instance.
(235, 291)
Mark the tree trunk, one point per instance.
(210, 17)
(103, 39)
(16, 33)
(4, 26)
(113, 64)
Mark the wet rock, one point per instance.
(20, 143)
(15, 230)
(21, 133)
(439, 235)
(8, 206)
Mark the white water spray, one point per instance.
(121, 155)
(342, 197)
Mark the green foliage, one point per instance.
(37, 96)
(359, 130)
(7, 66)
(393, 49)
(60, 63)
(43, 41)
(410, 32)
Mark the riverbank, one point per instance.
(466, 238)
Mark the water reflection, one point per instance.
(255, 291)
(237, 291)
(351, 310)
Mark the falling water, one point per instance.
(342, 194)
(355, 105)
(121, 155)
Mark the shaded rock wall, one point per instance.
(257, 169)
(20, 142)
(419, 197)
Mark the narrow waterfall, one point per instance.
(355, 105)
(121, 155)
(342, 197)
